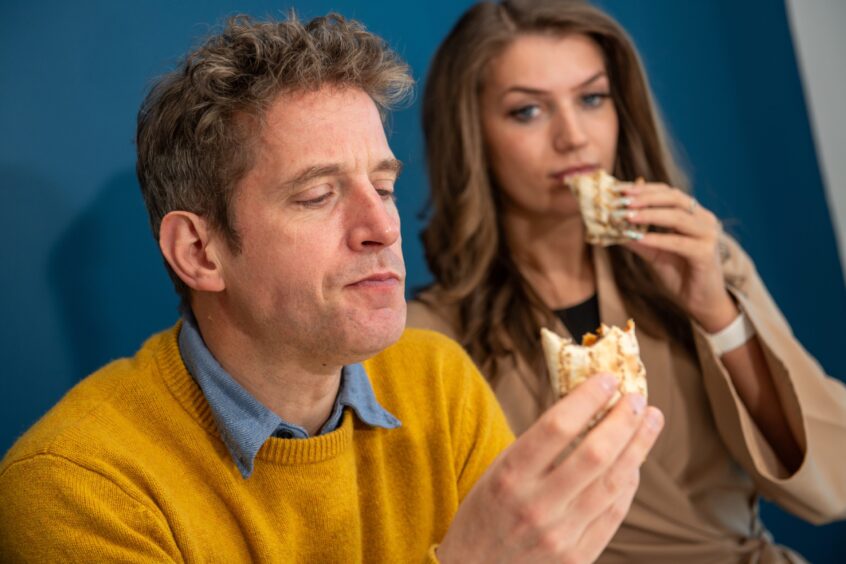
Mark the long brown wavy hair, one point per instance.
(499, 313)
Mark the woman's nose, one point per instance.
(569, 133)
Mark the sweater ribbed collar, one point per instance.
(246, 426)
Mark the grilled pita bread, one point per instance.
(611, 350)
(597, 193)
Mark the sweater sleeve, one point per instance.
(54, 510)
(814, 405)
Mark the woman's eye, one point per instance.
(595, 99)
(525, 113)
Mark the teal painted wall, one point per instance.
(81, 281)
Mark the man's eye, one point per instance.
(595, 99)
(525, 113)
(387, 194)
(315, 201)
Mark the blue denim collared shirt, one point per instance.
(245, 423)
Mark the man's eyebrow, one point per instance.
(333, 169)
(312, 172)
(539, 92)
(389, 165)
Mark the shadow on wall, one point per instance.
(34, 354)
(108, 278)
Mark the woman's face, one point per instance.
(547, 114)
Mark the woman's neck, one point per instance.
(553, 257)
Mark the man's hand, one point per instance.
(531, 507)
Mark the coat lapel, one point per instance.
(654, 350)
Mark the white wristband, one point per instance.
(736, 334)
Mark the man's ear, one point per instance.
(185, 241)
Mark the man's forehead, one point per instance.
(333, 130)
(329, 109)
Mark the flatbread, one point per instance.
(612, 350)
(598, 193)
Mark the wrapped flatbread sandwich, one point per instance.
(598, 192)
(611, 350)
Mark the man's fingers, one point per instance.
(598, 533)
(604, 443)
(623, 472)
(535, 451)
(623, 479)
(599, 458)
(595, 514)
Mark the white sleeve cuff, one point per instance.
(735, 335)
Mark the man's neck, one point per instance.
(301, 395)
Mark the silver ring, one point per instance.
(692, 206)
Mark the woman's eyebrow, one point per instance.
(540, 92)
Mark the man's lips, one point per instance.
(378, 280)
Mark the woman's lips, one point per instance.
(562, 175)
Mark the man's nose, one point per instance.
(374, 220)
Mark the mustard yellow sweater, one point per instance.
(129, 467)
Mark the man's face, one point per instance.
(320, 276)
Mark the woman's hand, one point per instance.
(686, 258)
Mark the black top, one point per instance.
(581, 318)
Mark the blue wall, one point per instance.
(81, 279)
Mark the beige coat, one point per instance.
(697, 500)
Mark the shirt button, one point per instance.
(286, 434)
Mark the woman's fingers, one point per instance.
(670, 218)
(677, 244)
(663, 206)
(658, 195)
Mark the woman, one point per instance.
(523, 95)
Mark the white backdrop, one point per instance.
(817, 28)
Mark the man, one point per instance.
(288, 416)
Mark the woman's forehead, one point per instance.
(545, 61)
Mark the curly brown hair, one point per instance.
(499, 313)
(198, 125)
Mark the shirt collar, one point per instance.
(245, 423)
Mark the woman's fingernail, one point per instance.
(633, 235)
(623, 214)
(623, 202)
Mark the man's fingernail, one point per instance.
(608, 382)
(638, 402)
(653, 418)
